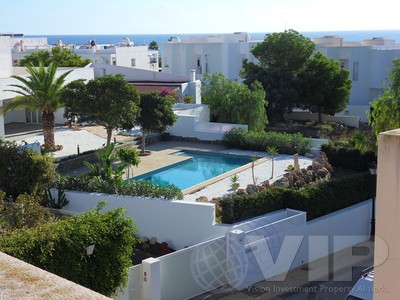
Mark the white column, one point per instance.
(2, 131)
(151, 280)
(387, 241)
(236, 258)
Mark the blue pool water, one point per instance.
(202, 166)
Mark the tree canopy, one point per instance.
(153, 45)
(42, 91)
(61, 56)
(233, 102)
(281, 57)
(325, 85)
(385, 110)
(156, 114)
(109, 101)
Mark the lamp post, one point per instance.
(372, 170)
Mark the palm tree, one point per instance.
(40, 90)
(272, 151)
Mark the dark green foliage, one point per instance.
(52, 203)
(285, 143)
(156, 114)
(60, 248)
(325, 85)
(24, 171)
(385, 110)
(316, 199)
(109, 101)
(346, 156)
(281, 57)
(96, 184)
(61, 56)
(104, 168)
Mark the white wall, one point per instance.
(193, 122)
(203, 267)
(5, 57)
(352, 121)
(174, 222)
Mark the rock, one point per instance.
(202, 199)
(322, 173)
(251, 189)
(309, 168)
(284, 182)
(266, 184)
(316, 165)
(309, 155)
(240, 192)
(322, 159)
(300, 183)
(290, 177)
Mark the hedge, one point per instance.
(316, 199)
(139, 188)
(348, 157)
(285, 143)
(60, 248)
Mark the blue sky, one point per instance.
(193, 16)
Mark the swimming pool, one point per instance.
(201, 167)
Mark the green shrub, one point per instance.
(24, 171)
(60, 248)
(285, 143)
(344, 155)
(316, 199)
(24, 212)
(95, 184)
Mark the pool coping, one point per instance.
(202, 185)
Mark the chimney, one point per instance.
(192, 75)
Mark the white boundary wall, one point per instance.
(352, 121)
(193, 122)
(179, 223)
(321, 237)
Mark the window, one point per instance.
(355, 71)
(133, 62)
(344, 63)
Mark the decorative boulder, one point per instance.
(322, 159)
(202, 199)
(316, 165)
(266, 184)
(284, 182)
(300, 183)
(240, 192)
(322, 173)
(251, 189)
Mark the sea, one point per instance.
(145, 39)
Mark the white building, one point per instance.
(369, 64)
(208, 54)
(124, 54)
(368, 61)
(7, 70)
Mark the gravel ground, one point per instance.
(69, 139)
